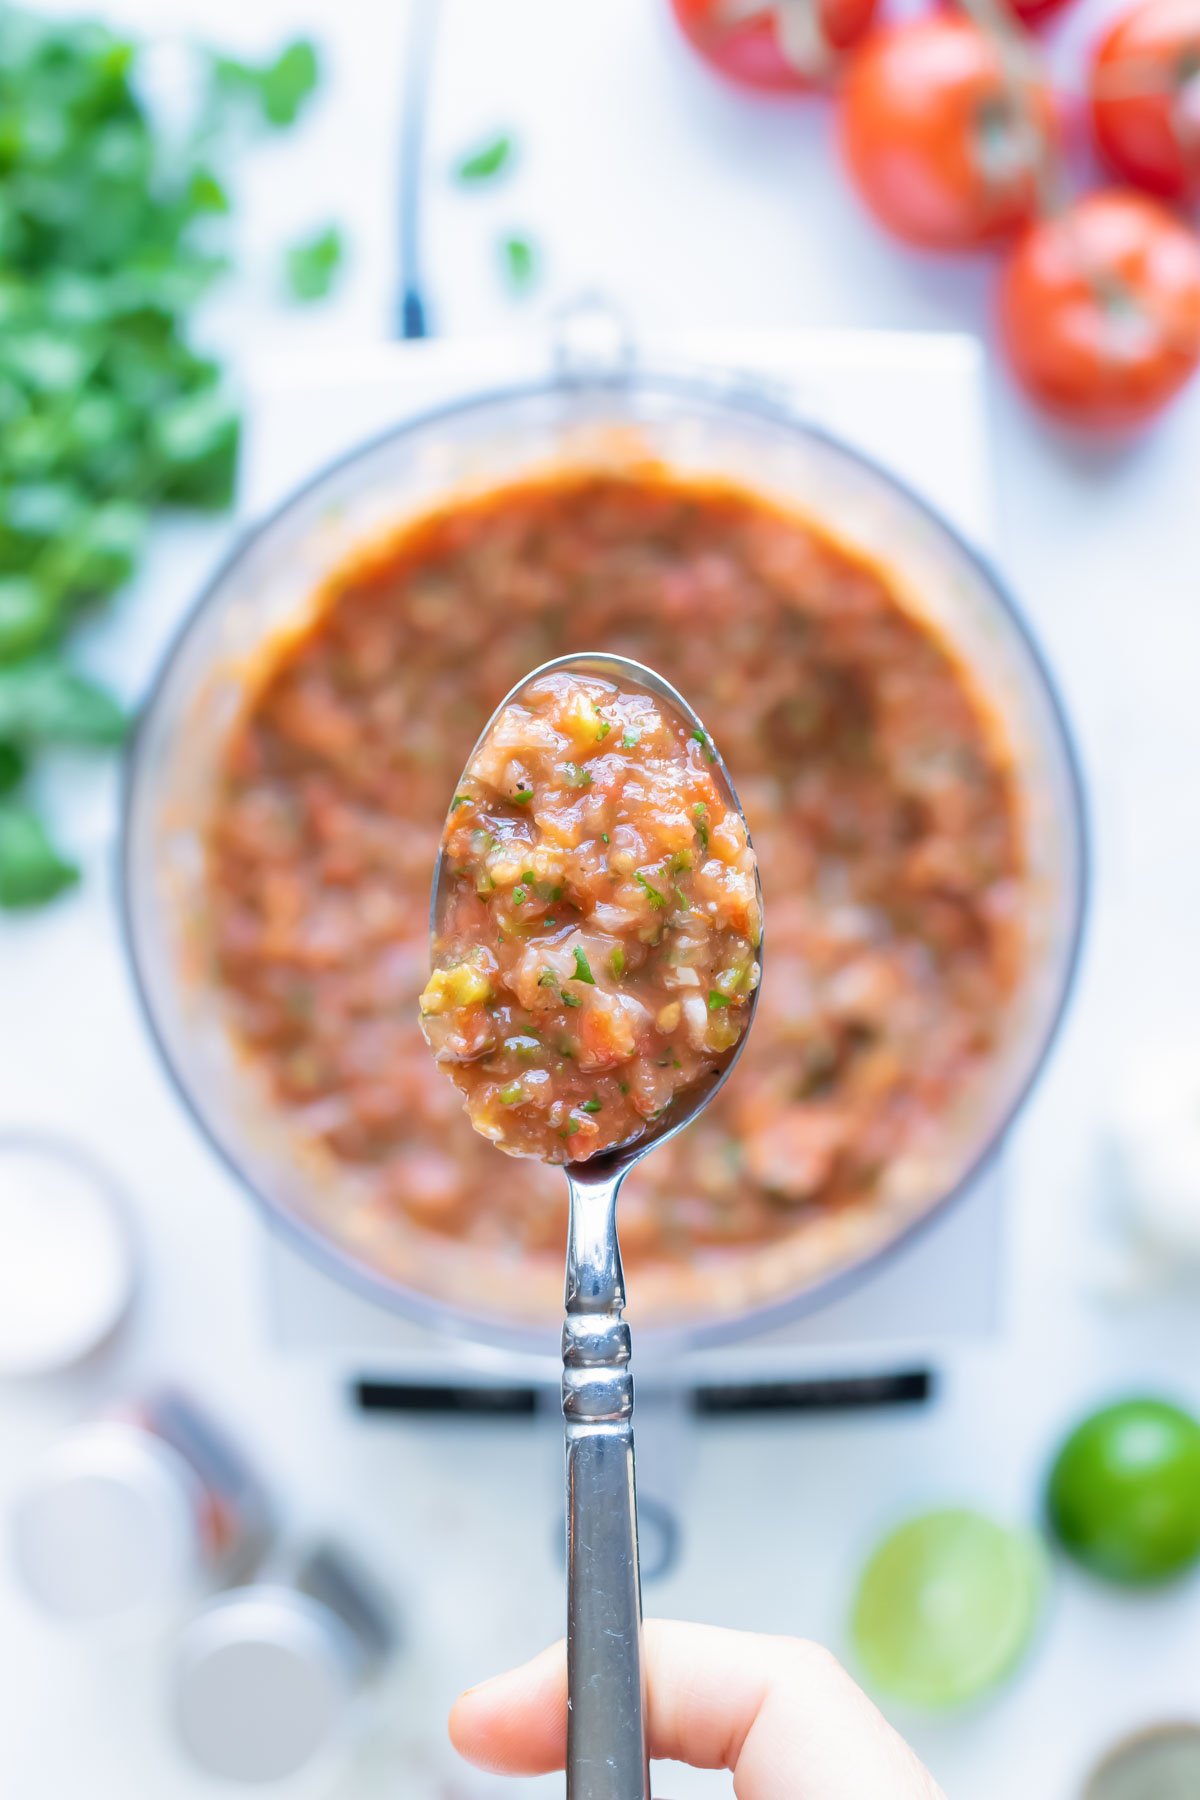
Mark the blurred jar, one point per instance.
(269, 1679)
(1161, 1763)
(136, 1513)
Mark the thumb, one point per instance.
(781, 1713)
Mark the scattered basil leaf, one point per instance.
(487, 160)
(519, 262)
(312, 265)
(278, 89)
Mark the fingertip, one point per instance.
(516, 1723)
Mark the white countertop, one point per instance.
(690, 205)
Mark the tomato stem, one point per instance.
(1021, 64)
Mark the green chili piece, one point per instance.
(616, 962)
(511, 1094)
(657, 899)
(592, 1106)
(582, 968)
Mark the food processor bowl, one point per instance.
(615, 419)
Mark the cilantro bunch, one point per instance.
(110, 235)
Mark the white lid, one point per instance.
(262, 1682)
(107, 1527)
(66, 1269)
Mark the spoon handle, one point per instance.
(606, 1729)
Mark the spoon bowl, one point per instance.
(624, 672)
(606, 1730)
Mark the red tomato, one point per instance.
(1034, 11)
(782, 46)
(1100, 310)
(1145, 95)
(940, 143)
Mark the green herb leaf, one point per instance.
(512, 1093)
(519, 261)
(31, 869)
(487, 160)
(520, 895)
(582, 968)
(592, 1106)
(616, 962)
(700, 813)
(12, 767)
(702, 738)
(548, 979)
(632, 738)
(716, 999)
(521, 796)
(278, 89)
(195, 439)
(575, 777)
(29, 614)
(311, 266)
(459, 800)
(602, 730)
(571, 1000)
(44, 702)
(657, 899)
(205, 193)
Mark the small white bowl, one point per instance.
(66, 1256)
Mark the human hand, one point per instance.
(782, 1714)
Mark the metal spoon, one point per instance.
(606, 1721)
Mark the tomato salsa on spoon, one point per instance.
(597, 923)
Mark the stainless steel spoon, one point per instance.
(606, 1720)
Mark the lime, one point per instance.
(1124, 1492)
(945, 1607)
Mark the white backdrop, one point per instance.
(691, 205)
